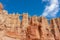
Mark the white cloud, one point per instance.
(52, 9)
(45, 0)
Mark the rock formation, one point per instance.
(27, 28)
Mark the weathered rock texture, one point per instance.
(29, 28)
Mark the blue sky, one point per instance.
(47, 8)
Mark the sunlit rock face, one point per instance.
(1, 8)
(29, 28)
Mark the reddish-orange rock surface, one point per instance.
(12, 27)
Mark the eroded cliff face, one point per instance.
(29, 28)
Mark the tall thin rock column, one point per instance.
(58, 23)
(1, 8)
(55, 29)
(50, 36)
(24, 26)
(13, 23)
(45, 30)
(33, 32)
(18, 26)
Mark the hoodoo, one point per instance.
(27, 28)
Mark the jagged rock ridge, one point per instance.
(30, 28)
